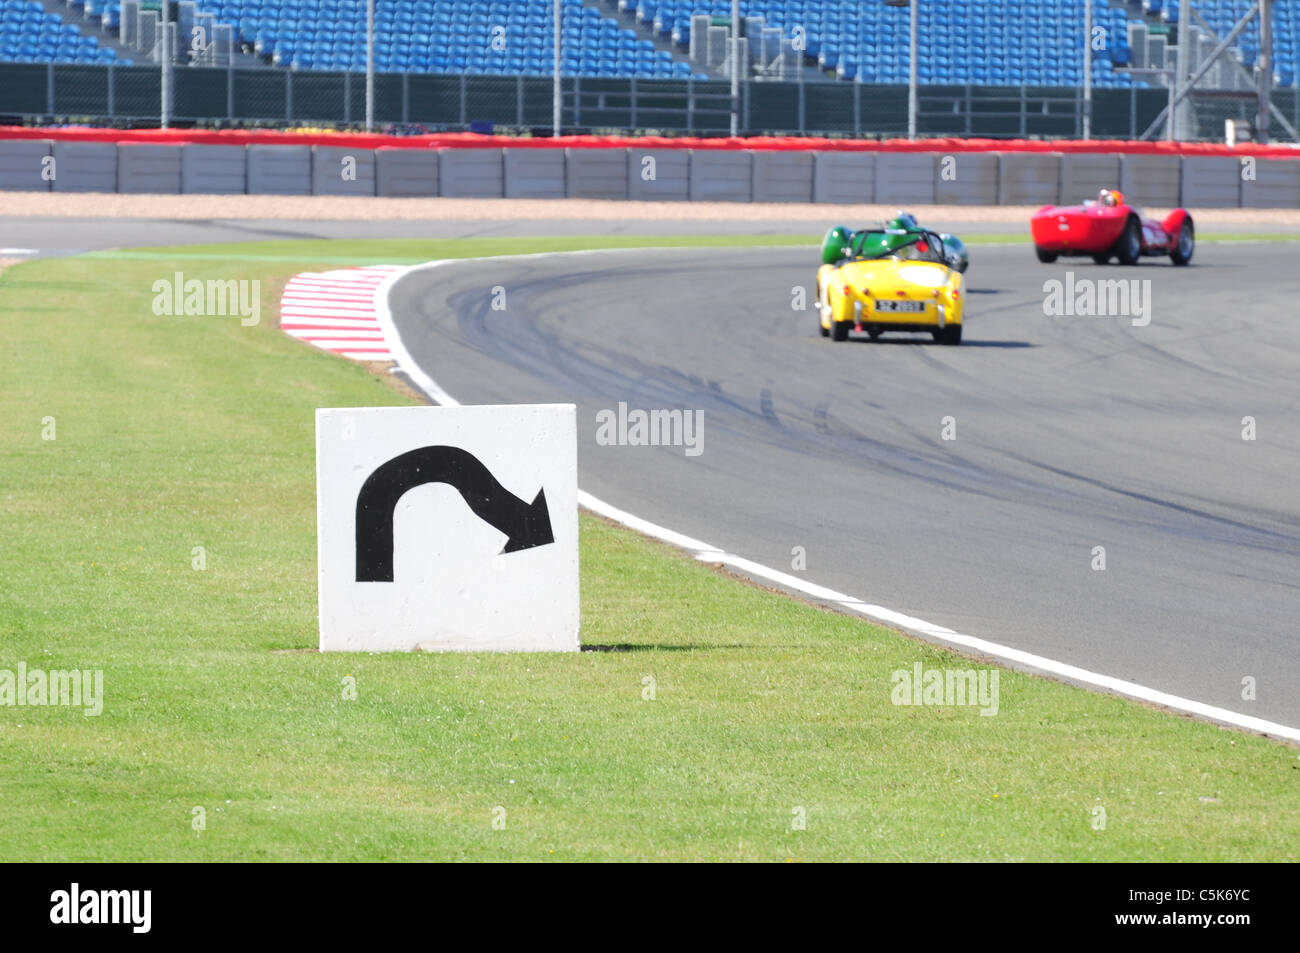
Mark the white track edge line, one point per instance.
(706, 553)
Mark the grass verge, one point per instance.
(174, 433)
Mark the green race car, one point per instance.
(841, 243)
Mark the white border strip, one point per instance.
(711, 554)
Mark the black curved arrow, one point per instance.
(527, 524)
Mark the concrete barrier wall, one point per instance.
(721, 175)
(406, 173)
(1211, 182)
(905, 178)
(1029, 178)
(149, 169)
(1276, 185)
(214, 170)
(662, 174)
(279, 170)
(782, 177)
(966, 178)
(85, 167)
(596, 173)
(534, 174)
(22, 162)
(895, 179)
(330, 165)
(1083, 175)
(844, 178)
(1151, 180)
(471, 173)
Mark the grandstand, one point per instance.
(984, 42)
(485, 37)
(31, 34)
(991, 67)
(990, 42)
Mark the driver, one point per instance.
(1110, 198)
(922, 249)
(905, 220)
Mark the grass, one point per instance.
(173, 433)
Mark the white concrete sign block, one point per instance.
(448, 528)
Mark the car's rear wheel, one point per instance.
(873, 333)
(1128, 249)
(1045, 256)
(840, 323)
(1186, 244)
(949, 335)
(840, 328)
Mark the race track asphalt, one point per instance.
(70, 235)
(1071, 433)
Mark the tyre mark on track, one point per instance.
(820, 421)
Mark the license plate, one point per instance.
(913, 306)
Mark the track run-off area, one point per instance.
(1112, 493)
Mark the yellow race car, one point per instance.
(877, 280)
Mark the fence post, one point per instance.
(1023, 118)
(970, 107)
(463, 104)
(230, 86)
(49, 88)
(519, 101)
(632, 103)
(577, 100)
(857, 109)
(803, 106)
(1132, 112)
(406, 97)
(166, 51)
(690, 104)
(112, 92)
(288, 96)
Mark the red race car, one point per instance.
(1111, 228)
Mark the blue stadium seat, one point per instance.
(29, 34)
(993, 42)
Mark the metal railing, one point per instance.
(233, 95)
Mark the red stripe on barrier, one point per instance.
(466, 140)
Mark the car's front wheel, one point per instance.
(1101, 259)
(1045, 256)
(1182, 251)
